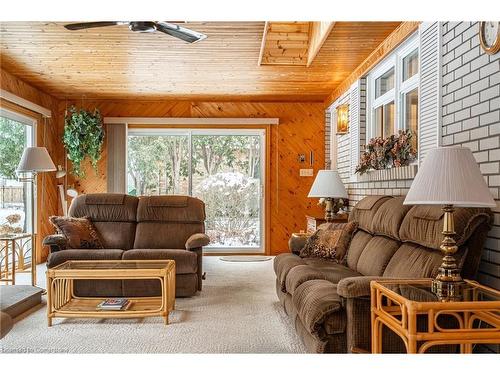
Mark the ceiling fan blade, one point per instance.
(180, 32)
(90, 25)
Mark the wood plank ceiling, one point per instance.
(115, 63)
(293, 43)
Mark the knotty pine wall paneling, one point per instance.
(301, 130)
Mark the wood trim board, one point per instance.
(191, 121)
(4, 94)
(318, 34)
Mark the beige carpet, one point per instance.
(237, 312)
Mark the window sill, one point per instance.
(402, 173)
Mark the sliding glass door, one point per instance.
(223, 167)
(16, 133)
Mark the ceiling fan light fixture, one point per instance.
(168, 28)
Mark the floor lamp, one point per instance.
(34, 160)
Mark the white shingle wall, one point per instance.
(471, 118)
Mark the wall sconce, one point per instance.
(343, 119)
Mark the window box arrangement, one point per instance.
(383, 153)
(83, 137)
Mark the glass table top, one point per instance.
(14, 236)
(422, 292)
(112, 264)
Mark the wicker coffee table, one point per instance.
(62, 302)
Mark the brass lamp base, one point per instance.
(448, 283)
(329, 210)
(448, 290)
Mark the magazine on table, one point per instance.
(114, 304)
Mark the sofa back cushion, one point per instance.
(166, 222)
(389, 216)
(376, 255)
(365, 211)
(423, 225)
(113, 215)
(403, 241)
(358, 243)
(414, 261)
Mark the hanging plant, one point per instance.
(83, 137)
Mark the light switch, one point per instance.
(306, 172)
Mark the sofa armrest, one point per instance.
(356, 287)
(297, 242)
(56, 242)
(197, 240)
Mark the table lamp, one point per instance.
(449, 177)
(34, 160)
(328, 185)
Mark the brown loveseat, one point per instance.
(330, 304)
(156, 227)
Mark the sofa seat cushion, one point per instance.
(316, 269)
(319, 308)
(185, 260)
(283, 263)
(62, 256)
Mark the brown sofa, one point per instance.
(156, 227)
(329, 303)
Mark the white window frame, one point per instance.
(189, 132)
(30, 142)
(397, 93)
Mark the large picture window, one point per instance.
(392, 93)
(222, 167)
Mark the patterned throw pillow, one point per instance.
(80, 232)
(330, 242)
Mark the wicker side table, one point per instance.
(396, 304)
(13, 251)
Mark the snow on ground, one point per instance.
(4, 212)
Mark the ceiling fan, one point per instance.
(174, 30)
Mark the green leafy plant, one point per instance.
(83, 137)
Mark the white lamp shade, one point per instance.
(35, 159)
(450, 176)
(327, 185)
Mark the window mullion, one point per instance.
(190, 163)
